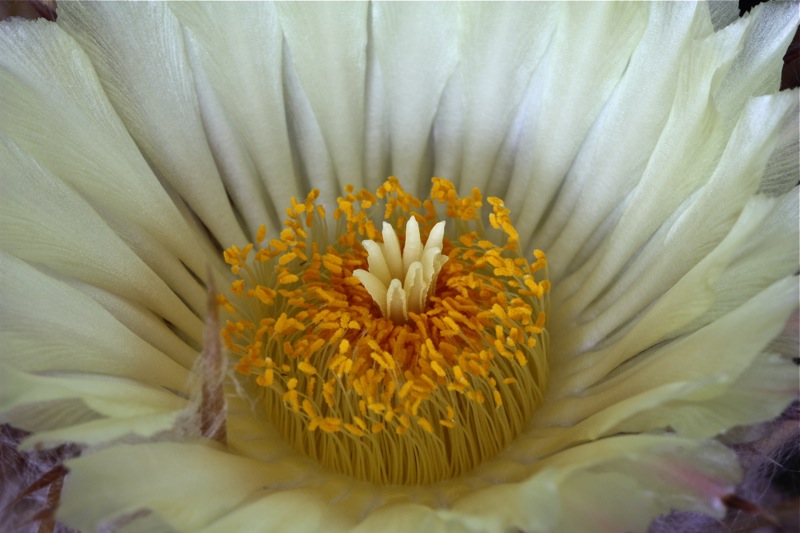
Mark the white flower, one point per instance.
(642, 146)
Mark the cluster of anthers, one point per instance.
(393, 366)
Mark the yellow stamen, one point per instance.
(404, 344)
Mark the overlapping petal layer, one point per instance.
(629, 140)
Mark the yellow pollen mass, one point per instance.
(404, 339)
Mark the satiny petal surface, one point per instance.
(642, 146)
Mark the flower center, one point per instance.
(412, 370)
(417, 265)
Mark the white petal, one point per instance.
(665, 469)
(104, 431)
(153, 92)
(44, 221)
(625, 492)
(500, 46)
(147, 325)
(694, 230)
(236, 52)
(107, 396)
(757, 68)
(747, 400)
(617, 147)
(781, 173)
(287, 510)
(400, 518)
(49, 326)
(709, 361)
(723, 13)
(71, 130)
(687, 153)
(771, 254)
(416, 46)
(332, 70)
(596, 41)
(158, 476)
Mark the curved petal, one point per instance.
(699, 367)
(68, 126)
(597, 42)
(675, 466)
(416, 51)
(152, 89)
(237, 61)
(157, 476)
(694, 229)
(50, 326)
(46, 222)
(616, 149)
(333, 76)
(499, 48)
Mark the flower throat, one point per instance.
(394, 365)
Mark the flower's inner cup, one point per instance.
(407, 355)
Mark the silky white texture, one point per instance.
(109, 172)
(243, 105)
(606, 189)
(158, 72)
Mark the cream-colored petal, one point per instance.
(757, 67)
(665, 470)
(499, 47)
(50, 326)
(695, 131)
(332, 70)
(410, 517)
(687, 153)
(44, 221)
(694, 230)
(602, 173)
(105, 395)
(769, 255)
(103, 431)
(288, 510)
(596, 41)
(627, 491)
(677, 311)
(722, 12)
(147, 325)
(161, 477)
(416, 49)
(708, 216)
(781, 173)
(68, 126)
(756, 395)
(236, 53)
(152, 89)
(701, 366)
